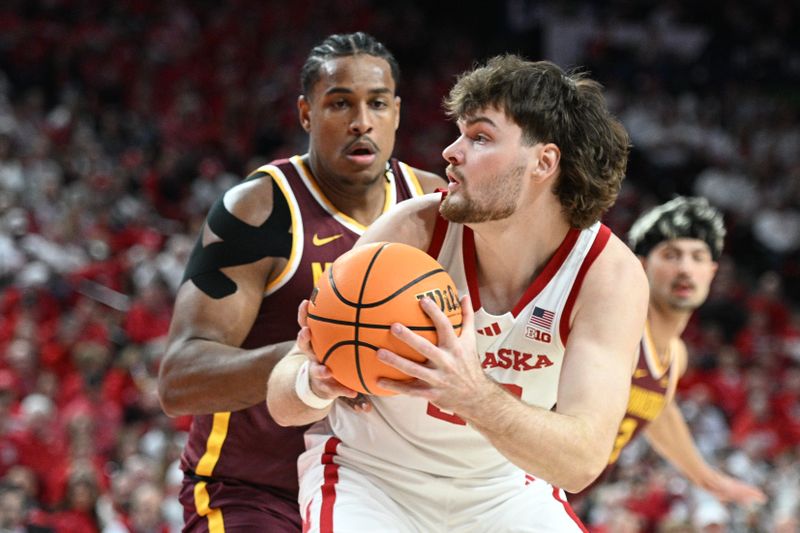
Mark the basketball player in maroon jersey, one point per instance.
(679, 243)
(263, 244)
(471, 442)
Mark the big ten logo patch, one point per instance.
(317, 269)
(537, 335)
(446, 298)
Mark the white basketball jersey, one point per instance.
(522, 349)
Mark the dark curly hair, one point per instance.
(553, 106)
(344, 45)
(681, 218)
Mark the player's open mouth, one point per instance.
(363, 153)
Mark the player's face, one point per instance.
(680, 273)
(351, 115)
(487, 168)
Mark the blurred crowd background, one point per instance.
(121, 122)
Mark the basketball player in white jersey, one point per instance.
(534, 389)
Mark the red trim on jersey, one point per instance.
(328, 489)
(568, 509)
(439, 230)
(550, 270)
(307, 519)
(470, 269)
(600, 240)
(541, 281)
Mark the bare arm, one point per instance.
(410, 222)
(669, 435)
(570, 446)
(204, 370)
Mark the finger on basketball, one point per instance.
(444, 329)
(304, 343)
(325, 385)
(467, 314)
(404, 364)
(302, 313)
(414, 341)
(412, 387)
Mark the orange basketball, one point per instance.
(358, 298)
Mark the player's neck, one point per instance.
(510, 254)
(665, 325)
(363, 202)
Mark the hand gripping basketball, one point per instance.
(358, 298)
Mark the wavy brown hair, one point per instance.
(553, 106)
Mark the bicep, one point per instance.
(601, 348)
(228, 319)
(245, 242)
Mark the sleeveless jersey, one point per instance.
(522, 349)
(247, 445)
(652, 386)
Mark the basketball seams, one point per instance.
(367, 325)
(356, 351)
(357, 327)
(378, 303)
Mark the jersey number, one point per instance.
(453, 418)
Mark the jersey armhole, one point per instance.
(439, 231)
(598, 245)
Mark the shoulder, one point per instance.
(252, 200)
(410, 222)
(618, 269)
(615, 279)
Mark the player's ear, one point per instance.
(549, 157)
(304, 112)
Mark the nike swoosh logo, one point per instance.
(321, 241)
(640, 373)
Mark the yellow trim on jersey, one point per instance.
(411, 178)
(297, 230)
(358, 227)
(657, 369)
(219, 430)
(202, 503)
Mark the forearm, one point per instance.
(283, 402)
(567, 451)
(670, 437)
(201, 377)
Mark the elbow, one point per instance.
(580, 480)
(282, 421)
(168, 392)
(168, 400)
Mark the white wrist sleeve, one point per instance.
(302, 386)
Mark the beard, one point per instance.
(496, 199)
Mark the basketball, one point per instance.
(357, 299)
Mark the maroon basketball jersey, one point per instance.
(247, 445)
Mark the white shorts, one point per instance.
(342, 491)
